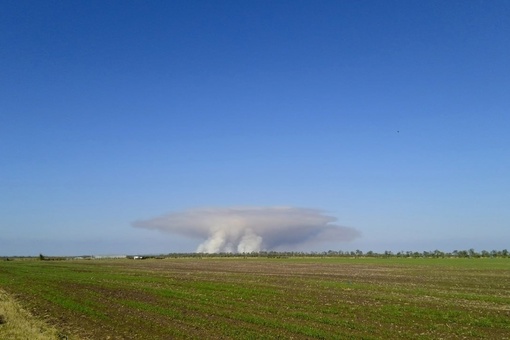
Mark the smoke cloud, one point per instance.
(251, 229)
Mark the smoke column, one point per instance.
(251, 229)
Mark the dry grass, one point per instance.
(17, 323)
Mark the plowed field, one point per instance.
(254, 298)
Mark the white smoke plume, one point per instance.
(251, 229)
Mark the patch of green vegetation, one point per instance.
(81, 306)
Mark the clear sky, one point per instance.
(392, 116)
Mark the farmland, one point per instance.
(247, 298)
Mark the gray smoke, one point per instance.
(249, 229)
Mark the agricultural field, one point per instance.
(264, 298)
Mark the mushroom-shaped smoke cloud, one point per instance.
(249, 229)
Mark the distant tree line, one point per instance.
(471, 253)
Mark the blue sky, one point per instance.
(391, 116)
